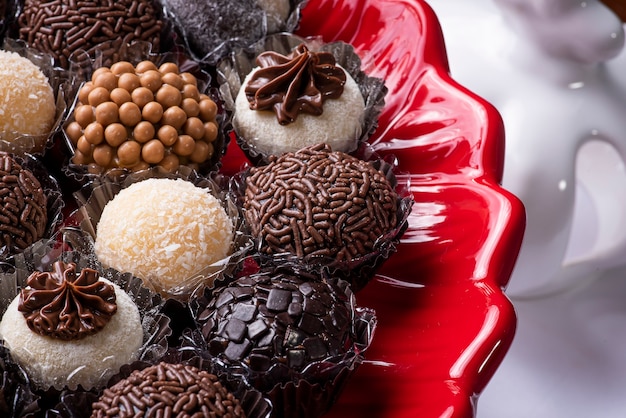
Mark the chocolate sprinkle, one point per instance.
(319, 203)
(62, 27)
(282, 338)
(168, 390)
(23, 211)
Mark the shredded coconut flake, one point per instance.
(163, 230)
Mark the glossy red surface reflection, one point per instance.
(444, 322)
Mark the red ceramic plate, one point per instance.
(444, 322)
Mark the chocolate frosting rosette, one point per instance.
(298, 92)
(175, 256)
(32, 203)
(60, 83)
(61, 275)
(295, 336)
(212, 29)
(144, 110)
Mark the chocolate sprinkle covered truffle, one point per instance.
(23, 214)
(165, 390)
(275, 323)
(316, 203)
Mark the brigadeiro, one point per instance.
(66, 28)
(325, 208)
(31, 203)
(296, 337)
(133, 117)
(288, 93)
(214, 28)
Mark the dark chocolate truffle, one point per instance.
(23, 213)
(316, 203)
(277, 325)
(167, 389)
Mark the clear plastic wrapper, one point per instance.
(93, 198)
(213, 29)
(232, 71)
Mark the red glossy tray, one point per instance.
(444, 322)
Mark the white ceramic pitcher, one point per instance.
(556, 71)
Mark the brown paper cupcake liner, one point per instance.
(54, 199)
(94, 196)
(60, 83)
(219, 27)
(232, 71)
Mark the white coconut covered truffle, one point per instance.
(164, 231)
(89, 361)
(333, 119)
(27, 104)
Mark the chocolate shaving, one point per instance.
(67, 306)
(298, 82)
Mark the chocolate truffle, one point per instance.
(275, 324)
(24, 214)
(164, 388)
(27, 103)
(319, 204)
(289, 102)
(66, 311)
(61, 28)
(137, 117)
(164, 231)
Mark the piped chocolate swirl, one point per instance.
(296, 83)
(67, 305)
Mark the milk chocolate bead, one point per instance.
(103, 155)
(128, 153)
(98, 95)
(170, 162)
(105, 79)
(120, 96)
(83, 94)
(173, 79)
(168, 96)
(130, 114)
(74, 131)
(174, 116)
(107, 113)
(122, 67)
(129, 81)
(153, 151)
(144, 66)
(194, 128)
(142, 96)
(151, 80)
(184, 145)
(115, 134)
(169, 67)
(190, 106)
(83, 145)
(143, 132)
(94, 133)
(190, 91)
(168, 135)
(201, 152)
(84, 115)
(152, 112)
(210, 131)
(208, 109)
